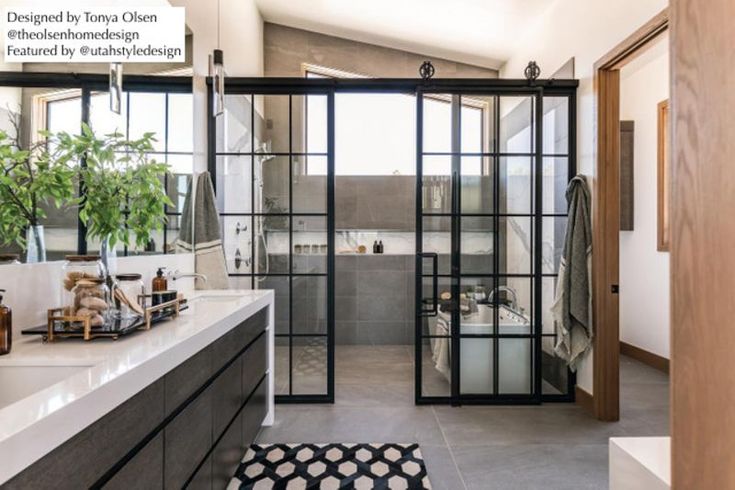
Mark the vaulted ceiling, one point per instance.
(480, 32)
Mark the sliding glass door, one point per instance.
(274, 167)
(488, 244)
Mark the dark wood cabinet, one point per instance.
(82, 460)
(189, 429)
(227, 454)
(187, 438)
(228, 397)
(186, 378)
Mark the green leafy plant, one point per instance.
(31, 177)
(124, 194)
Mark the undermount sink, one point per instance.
(18, 382)
(216, 297)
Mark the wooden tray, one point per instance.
(57, 325)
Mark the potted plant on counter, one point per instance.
(124, 196)
(32, 177)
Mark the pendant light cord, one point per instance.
(218, 24)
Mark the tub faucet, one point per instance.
(508, 289)
(180, 275)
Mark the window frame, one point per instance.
(466, 101)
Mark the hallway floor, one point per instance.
(553, 446)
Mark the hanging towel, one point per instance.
(200, 234)
(572, 308)
(441, 347)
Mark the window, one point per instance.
(166, 113)
(371, 129)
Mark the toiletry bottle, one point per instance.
(380, 247)
(160, 283)
(376, 250)
(6, 327)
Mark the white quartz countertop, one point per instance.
(99, 375)
(640, 463)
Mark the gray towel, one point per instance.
(202, 235)
(572, 308)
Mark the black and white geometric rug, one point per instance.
(331, 466)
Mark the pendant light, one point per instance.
(217, 72)
(115, 88)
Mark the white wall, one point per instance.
(241, 40)
(31, 289)
(585, 30)
(644, 271)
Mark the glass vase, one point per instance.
(108, 255)
(35, 245)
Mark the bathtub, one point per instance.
(476, 366)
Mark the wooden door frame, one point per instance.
(606, 217)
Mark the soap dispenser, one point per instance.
(160, 283)
(6, 327)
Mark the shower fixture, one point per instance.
(238, 259)
(239, 228)
(265, 148)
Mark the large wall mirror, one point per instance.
(60, 97)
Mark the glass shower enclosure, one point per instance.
(278, 225)
(493, 158)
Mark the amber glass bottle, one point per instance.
(6, 327)
(160, 283)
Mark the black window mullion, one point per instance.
(165, 176)
(253, 257)
(290, 247)
(536, 358)
(496, 244)
(81, 226)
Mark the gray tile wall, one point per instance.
(374, 301)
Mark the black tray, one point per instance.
(113, 329)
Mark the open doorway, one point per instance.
(610, 208)
(644, 257)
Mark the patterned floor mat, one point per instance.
(331, 466)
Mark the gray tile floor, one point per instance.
(553, 446)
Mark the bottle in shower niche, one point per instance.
(376, 250)
(380, 247)
(6, 327)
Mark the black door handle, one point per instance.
(434, 300)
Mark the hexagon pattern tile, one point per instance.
(331, 466)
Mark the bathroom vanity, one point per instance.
(164, 408)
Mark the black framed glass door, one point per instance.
(272, 152)
(490, 221)
(493, 161)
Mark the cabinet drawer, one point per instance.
(188, 438)
(186, 378)
(228, 397)
(251, 328)
(253, 365)
(253, 413)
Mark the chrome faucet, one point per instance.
(513, 294)
(180, 275)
